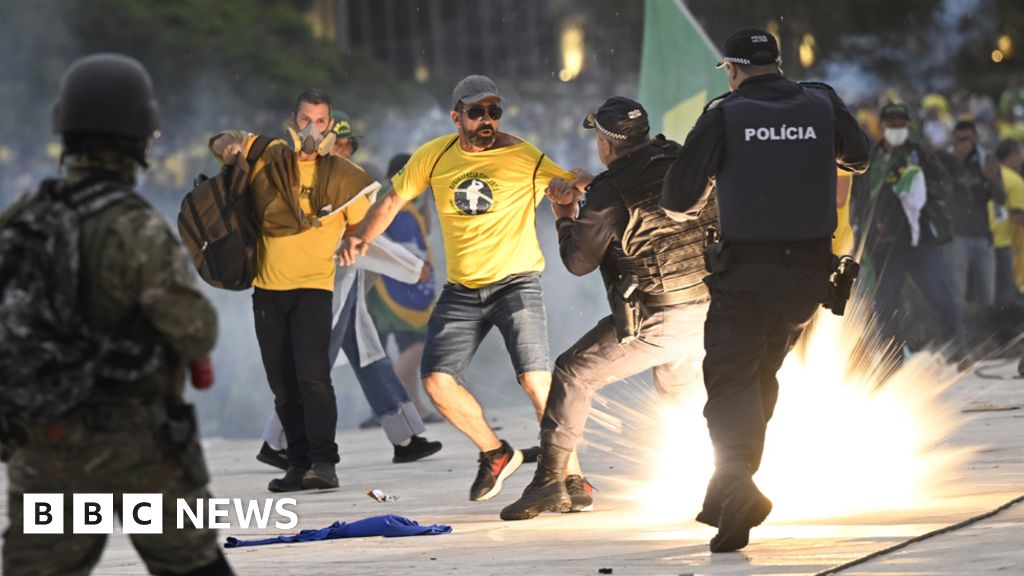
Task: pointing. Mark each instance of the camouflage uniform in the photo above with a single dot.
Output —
(132, 267)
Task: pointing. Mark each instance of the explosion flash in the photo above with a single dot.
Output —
(848, 436)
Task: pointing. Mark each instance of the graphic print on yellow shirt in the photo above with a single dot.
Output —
(305, 260)
(486, 204)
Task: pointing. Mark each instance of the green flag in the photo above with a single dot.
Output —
(677, 72)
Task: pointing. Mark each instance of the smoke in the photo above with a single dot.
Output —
(920, 59)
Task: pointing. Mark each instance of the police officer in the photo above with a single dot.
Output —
(770, 150)
(652, 268)
(133, 433)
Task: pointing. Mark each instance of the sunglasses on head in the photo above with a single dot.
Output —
(477, 112)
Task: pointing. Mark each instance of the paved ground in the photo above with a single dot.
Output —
(615, 536)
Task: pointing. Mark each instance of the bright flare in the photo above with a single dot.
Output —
(838, 445)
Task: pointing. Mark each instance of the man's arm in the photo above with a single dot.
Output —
(995, 180)
(584, 237)
(142, 263)
(377, 220)
(853, 149)
(689, 180)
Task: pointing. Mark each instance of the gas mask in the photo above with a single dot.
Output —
(309, 141)
(896, 136)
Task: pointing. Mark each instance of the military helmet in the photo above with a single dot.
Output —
(106, 94)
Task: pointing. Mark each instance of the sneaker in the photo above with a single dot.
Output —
(320, 476)
(581, 492)
(743, 508)
(290, 482)
(418, 447)
(370, 422)
(495, 467)
(531, 454)
(271, 457)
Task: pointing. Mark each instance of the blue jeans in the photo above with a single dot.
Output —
(924, 265)
(1006, 284)
(381, 386)
(971, 257)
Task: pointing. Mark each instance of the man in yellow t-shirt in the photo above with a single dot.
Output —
(305, 199)
(487, 185)
(1007, 226)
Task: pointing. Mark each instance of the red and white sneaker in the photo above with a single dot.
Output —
(495, 467)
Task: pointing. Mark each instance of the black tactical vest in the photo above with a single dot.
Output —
(777, 181)
(665, 255)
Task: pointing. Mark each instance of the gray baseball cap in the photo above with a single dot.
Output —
(474, 89)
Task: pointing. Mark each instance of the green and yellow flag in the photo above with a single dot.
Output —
(677, 73)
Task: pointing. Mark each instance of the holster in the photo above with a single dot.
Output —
(716, 257)
(840, 285)
(178, 436)
(625, 308)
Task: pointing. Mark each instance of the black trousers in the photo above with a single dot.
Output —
(293, 328)
(747, 335)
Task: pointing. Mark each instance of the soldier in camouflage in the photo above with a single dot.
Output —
(136, 435)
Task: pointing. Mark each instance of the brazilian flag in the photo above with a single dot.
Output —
(677, 73)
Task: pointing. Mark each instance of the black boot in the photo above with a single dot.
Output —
(291, 482)
(547, 490)
(743, 507)
(712, 508)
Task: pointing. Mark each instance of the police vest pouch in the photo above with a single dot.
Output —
(218, 226)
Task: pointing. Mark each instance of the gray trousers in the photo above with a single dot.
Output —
(971, 257)
(598, 359)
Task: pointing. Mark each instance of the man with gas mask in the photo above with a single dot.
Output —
(900, 214)
(305, 199)
(769, 149)
(652, 268)
(122, 339)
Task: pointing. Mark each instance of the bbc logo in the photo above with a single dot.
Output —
(144, 513)
(93, 514)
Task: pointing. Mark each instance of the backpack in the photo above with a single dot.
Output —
(50, 360)
(218, 226)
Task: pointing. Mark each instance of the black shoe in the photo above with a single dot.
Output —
(495, 467)
(271, 457)
(291, 482)
(581, 493)
(531, 454)
(320, 476)
(370, 422)
(419, 447)
(743, 508)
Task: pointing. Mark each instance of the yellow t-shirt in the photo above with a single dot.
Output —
(1002, 232)
(306, 259)
(486, 204)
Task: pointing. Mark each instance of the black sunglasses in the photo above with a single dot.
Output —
(477, 112)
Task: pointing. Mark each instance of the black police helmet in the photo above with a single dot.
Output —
(106, 94)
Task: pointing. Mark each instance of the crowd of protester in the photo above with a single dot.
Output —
(943, 205)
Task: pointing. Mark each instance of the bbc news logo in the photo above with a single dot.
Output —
(144, 513)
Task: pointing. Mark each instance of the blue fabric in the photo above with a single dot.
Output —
(389, 525)
(380, 384)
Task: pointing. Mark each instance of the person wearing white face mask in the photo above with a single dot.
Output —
(901, 218)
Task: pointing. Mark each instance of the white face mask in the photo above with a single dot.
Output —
(896, 136)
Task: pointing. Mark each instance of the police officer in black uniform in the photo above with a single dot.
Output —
(652, 268)
(770, 149)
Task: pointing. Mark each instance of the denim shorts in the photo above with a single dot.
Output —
(463, 317)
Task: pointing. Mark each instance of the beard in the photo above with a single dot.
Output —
(483, 141)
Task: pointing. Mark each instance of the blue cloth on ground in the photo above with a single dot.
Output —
(389, 525)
